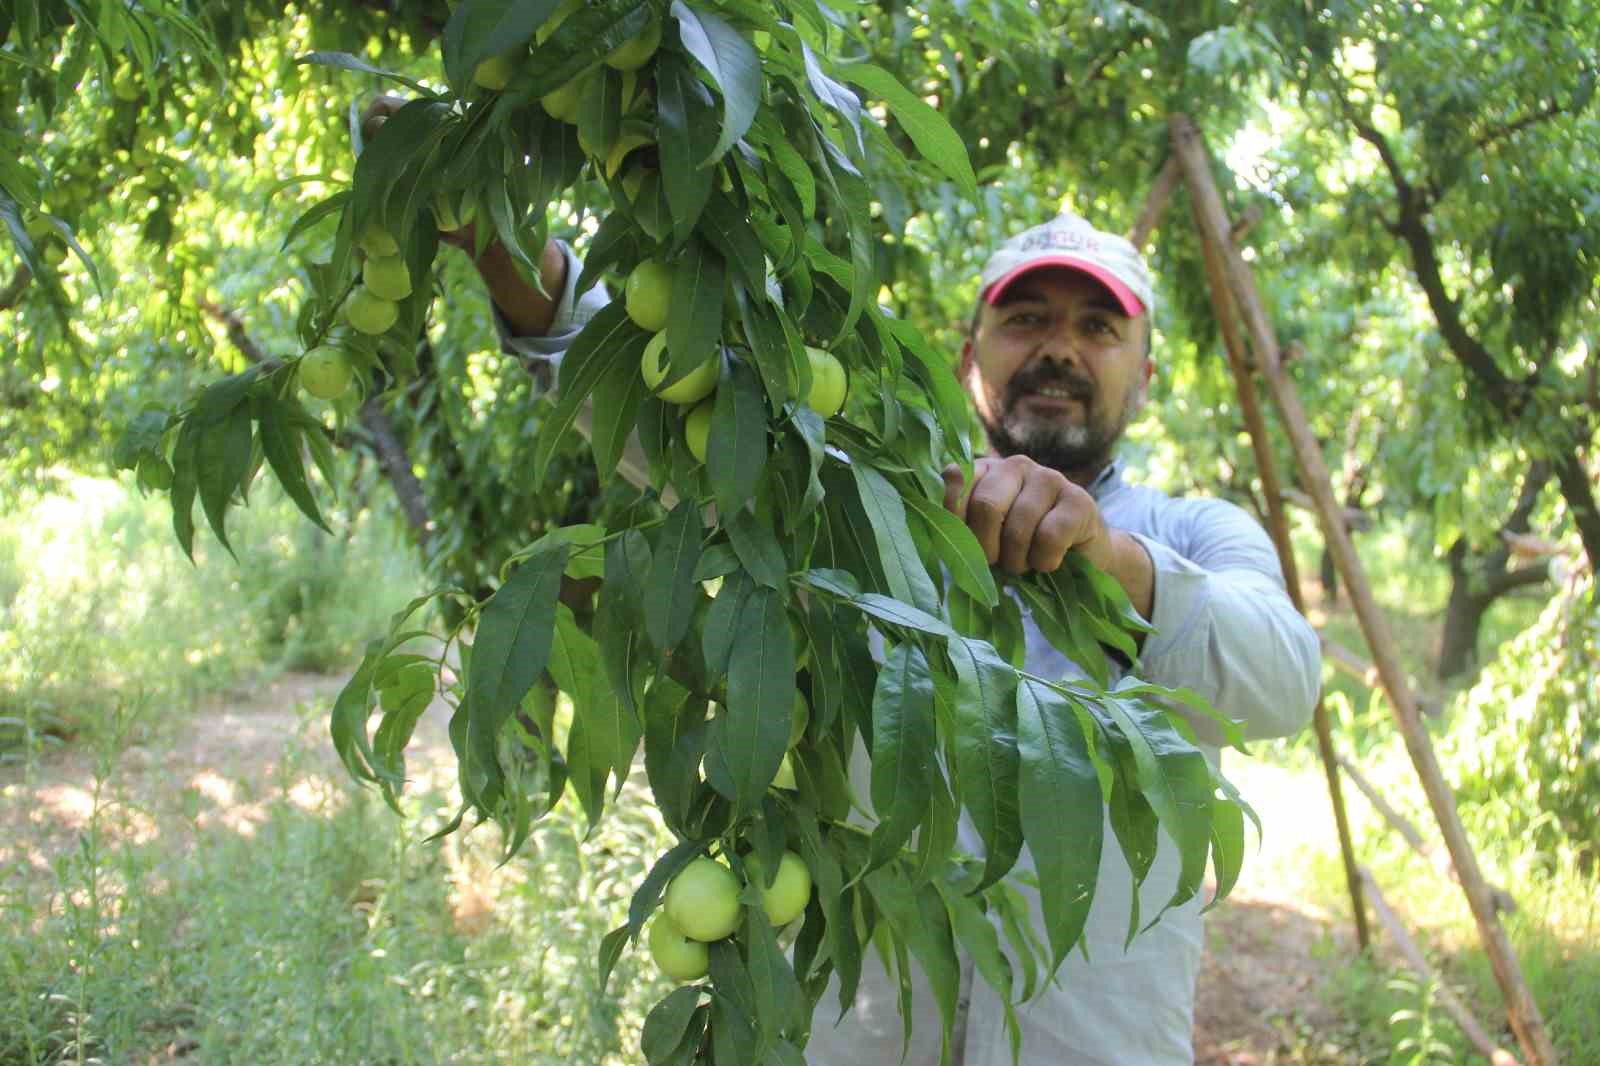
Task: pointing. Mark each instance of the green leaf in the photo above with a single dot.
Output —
(694, 323)
(780, 1008)
(514, 634)
(223, 461)
(776, 350)
(755, 542)
(1137, 830)
(608, 731)
(987, 763)
(480, 29)
(828, 877)
(918, 918)
(903, 743)
(671, 591)
(928, 130)
(736, 455)
(958, 548)
(612, 945)
(674, 744)
(723, 621)
(727, 226)
(980, 939)
(616, 399)
(1174, 776)
(667, 1024)
(834, 96)
(608, 341)
(184, 485)
(1061, 812)
(404, 137)
(348, 723)
(755, 727)
(908, 578)
(346, 61)
(280, 442)
(1227, 846)
(687, 134)
(648, 895)
(733, 64)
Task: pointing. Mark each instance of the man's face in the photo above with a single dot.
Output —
(1057, 370)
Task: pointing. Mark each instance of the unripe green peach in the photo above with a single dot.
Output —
(387, 276)
(494, 73)
(647, 294)
(326, 373)
(370, 313)
(375, 240)
(703, 900)
(691, 388)
(697, 430)
(679, 956)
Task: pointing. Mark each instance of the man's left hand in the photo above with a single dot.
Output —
(1027, 517)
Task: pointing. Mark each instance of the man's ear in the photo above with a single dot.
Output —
(964, 368)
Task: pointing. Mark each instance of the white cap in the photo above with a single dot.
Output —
(1069, 241)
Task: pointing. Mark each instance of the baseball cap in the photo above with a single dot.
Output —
(1070, 241)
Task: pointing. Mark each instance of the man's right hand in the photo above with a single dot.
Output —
(374, 116)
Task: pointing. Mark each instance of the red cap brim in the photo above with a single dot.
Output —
(1132, 306)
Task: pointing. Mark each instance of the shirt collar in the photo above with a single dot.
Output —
(1107, 481)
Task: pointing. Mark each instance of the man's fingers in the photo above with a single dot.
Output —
(994, 488)
(1056, 535)
(954, 486)
(1023, 525)
(376, 112)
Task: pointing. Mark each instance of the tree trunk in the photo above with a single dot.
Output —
(1477, 580)
(1463, 614)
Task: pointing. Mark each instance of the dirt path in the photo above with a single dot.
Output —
(1260, 992)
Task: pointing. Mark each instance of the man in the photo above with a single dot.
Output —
(1057, 363)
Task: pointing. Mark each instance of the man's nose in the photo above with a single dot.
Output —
(1058, 345)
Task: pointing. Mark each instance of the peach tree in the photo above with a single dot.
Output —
(783, 589)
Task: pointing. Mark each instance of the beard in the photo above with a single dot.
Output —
(1072, 447)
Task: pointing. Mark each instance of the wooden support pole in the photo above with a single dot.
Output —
(1523, 1012)
(1504, 902)
(1470, 1027)
(1155, 204)
(1278, 527)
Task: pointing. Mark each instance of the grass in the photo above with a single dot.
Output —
(327, 931)
(102, 618)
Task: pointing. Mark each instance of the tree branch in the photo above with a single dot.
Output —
(15, 287)
(1497, 585)
(1511, 129)
(237, 333)
(1410, 226)
(380, 432)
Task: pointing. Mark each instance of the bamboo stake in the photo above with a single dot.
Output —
(1504, 902)
(1155, 204)
(1497, 1056)
(1278, 527)
(1523, 1012)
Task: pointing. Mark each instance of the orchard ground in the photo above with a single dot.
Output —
(1276, 975)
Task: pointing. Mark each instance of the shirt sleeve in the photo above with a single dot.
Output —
(542, 355)
(1225, 625)
(573, 312)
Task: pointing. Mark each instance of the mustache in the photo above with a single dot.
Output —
(1078, 386)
